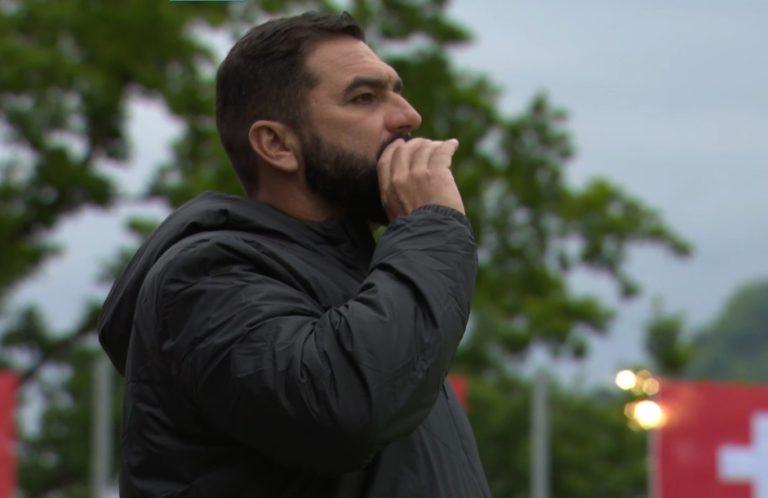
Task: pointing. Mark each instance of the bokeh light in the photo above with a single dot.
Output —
(626, 380)
(648, 414)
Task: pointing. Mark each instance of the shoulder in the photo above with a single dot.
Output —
(224, 256)
(208, 254)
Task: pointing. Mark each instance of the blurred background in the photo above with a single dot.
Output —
(612, 160)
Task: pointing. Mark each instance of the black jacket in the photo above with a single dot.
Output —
(268, 357)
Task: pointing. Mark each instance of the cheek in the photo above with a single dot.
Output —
(364, 141)
(363, 135)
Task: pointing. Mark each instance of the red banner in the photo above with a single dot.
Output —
(459, 383)
(713, 443)
(8, 383)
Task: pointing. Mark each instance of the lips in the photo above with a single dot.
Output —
(404, 136)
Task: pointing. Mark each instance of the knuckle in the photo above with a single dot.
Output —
(421, 174)
(399, 181)
(417, 143)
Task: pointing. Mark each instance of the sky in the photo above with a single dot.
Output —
(669, 100)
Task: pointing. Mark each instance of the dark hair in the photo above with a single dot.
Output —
(263, 77)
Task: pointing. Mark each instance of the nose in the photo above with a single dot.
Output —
(402, 118)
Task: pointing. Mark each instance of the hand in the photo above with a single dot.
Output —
(416, 173)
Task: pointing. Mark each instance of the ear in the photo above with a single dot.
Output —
(276, 144)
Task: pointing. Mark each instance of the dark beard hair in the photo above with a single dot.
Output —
(345, 178)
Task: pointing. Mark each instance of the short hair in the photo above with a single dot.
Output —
(264, 77)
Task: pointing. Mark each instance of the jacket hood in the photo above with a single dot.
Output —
(210, 212)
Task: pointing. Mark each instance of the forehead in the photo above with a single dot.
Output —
(337, 61)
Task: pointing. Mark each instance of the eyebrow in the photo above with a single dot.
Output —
(377, 83)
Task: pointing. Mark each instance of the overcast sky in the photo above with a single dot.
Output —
(668, 99)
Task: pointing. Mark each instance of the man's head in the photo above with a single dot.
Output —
(307, 97)
(264, 78)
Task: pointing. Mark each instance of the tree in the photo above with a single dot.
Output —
(533, 229)
(593, 452)
(667, 342)
(69, 71)
(733, 346)
(63, 94)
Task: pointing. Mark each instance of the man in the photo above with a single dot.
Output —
(270, 347)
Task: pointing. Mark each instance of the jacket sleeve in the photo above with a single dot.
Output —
(325, 389)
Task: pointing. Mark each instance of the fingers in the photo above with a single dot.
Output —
(418, 154)
(442, 156)
(446, 150)
(411, 158)
(415, 173)
(384, 165)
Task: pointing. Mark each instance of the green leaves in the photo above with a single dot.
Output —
(69, 71)
(733, 346)
(665, 342)
(534, 229)
(593, 453)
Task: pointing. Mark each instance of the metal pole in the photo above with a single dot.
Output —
(540, 485)
(101, 429)
(650, 463)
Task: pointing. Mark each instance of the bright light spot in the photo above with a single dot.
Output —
(648, 414)
(644, 374)
(626, 380)
(651, 387)
(629, 410)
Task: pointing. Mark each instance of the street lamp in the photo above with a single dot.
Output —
(643, 413)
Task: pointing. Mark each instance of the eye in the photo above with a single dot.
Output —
(364, 98)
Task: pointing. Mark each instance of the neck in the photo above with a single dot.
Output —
(297, 202)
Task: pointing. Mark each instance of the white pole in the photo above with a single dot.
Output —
(101, 428)
(651, 436)
(540, 485)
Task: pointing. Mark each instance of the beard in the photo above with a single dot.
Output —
(345, 178)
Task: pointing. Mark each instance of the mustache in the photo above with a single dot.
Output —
(387, 142)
